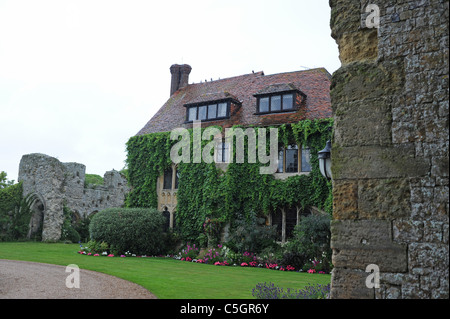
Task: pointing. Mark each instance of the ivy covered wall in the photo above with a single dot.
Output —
(206, 191)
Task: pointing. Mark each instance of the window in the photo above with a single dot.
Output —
(290, 159)
(202, 112)
(192, 113)
(264, 104)
(276, 103)
(167, 179)
(306, 164)
(223, 153)
(212, 111)
(171, 176)
(222, 110)
(177, 177)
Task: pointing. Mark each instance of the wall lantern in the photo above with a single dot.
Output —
(325, 160)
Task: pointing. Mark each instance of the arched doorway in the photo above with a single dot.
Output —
(37, 207)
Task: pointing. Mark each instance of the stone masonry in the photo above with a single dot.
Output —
(53, 185)
(390, 149)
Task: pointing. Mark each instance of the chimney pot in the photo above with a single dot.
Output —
(180, 77)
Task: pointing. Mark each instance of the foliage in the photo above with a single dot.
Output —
(97, 247)
(250, 235)
(68, 231)
(93, 179)
(311, 240)
(207, 192)
(189, 251)
(270, 291)
(4, 181)
(82, 227)
(15, 212)
(138, 230)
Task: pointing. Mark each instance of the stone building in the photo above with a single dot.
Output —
(253, 99)
(390, 149)
(53, 185)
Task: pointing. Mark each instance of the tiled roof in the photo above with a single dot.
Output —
(314, 83)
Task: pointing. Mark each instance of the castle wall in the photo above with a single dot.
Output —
(59, 184)
(390, 150)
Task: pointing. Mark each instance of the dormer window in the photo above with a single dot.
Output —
(210, 107)
(276, 103)
(278, 98)
(206, 112)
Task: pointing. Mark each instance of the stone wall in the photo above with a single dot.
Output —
(53, 185)
(390, 149)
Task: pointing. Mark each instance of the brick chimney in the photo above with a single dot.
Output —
(180, 77)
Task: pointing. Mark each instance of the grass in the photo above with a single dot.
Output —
(165, 277)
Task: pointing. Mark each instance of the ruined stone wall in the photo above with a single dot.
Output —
(390, 149)
(54, 185)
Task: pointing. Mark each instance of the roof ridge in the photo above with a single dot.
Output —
(301, 71)
(231, 77)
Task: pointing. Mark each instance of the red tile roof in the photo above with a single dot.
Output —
(315, 83)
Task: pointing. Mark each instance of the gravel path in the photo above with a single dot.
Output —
(30, 280)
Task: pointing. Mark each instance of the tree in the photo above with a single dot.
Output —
(4, 181)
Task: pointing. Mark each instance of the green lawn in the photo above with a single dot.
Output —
(165, 277)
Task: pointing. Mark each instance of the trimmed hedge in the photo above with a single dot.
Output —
(137, 230)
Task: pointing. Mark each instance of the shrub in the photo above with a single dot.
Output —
(138, 230)
(15, 212)
(251, 235)
(311, 241)
(270, 291)
(189, 251)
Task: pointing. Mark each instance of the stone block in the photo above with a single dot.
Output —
(383, 198)
(358, 243)
(362, 162)
(350, 284)
(345, 199)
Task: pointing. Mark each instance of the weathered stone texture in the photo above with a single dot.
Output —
(54, 185)
(391, 149)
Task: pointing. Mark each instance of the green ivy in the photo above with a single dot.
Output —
(15, 213)
(205, 191)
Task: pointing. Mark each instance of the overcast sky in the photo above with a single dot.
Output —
(79, 78)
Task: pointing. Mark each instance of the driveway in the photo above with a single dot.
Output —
(30, 280)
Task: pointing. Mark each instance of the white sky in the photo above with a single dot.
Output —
(79, 78)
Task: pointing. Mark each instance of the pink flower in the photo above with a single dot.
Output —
(244, 264)
(311, 271)
(122, 255)
(96, 255)
(110, 255)
(290, 268)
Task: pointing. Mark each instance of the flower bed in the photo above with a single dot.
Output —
(222, 256)
(218, 256)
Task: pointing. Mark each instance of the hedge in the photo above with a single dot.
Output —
(136, 230)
